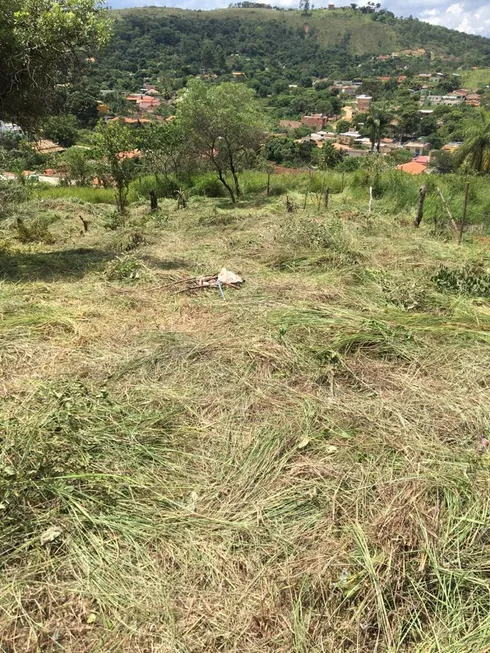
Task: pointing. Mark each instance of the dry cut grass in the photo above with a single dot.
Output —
(296, 468)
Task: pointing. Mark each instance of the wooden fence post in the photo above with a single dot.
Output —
(465, 212)
(326, 197)
(153, 201)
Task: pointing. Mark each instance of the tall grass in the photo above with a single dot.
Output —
(84, 193)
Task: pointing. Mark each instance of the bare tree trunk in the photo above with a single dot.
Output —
(420, 210)
(227, 186)
(235, 175)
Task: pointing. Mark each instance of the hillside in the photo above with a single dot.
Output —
(297, 468)
(175, 43)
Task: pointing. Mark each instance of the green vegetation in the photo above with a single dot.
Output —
(302, 466)
(40, 45)
(297, 463)
(478, 78)
(274, 46)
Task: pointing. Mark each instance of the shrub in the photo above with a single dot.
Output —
(141, 187)
(472, 279)
(208, 186)
(126, 268)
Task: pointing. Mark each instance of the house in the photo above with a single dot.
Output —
(437, 77)
(317, 121)
(148, 103)
(45, 146)
(434, 99)
(137, 122)
(350, 151)
(384, 57)
(363, 103)
(388, 145)
(451, 147)
(412, 168)
(450, 100)
(453, 99)
(290, 124)
(422, 158)
(401, 79)
(348, 138)
(331, 6)
(473, 100)
(417, 147)
(238, 75)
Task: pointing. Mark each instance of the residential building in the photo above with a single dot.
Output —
(317, 121)
(417, 147)
(450, 100)
(363, 103)
(412, 168)
(348, 138)
(451, 147)
(473, 100)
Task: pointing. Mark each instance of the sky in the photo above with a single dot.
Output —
(472, 16)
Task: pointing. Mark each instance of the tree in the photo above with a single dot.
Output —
(115, 147)
(377, 120)
(304, 6)
(41, 43)
(62, 129)
(409, 119)
(208, 55)
(165, 148)
(329, 156)
(83, 105)
(476, 146)
(223, 123)
(342, 126)
(79, 164)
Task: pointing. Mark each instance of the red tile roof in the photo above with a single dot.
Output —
(413, 168)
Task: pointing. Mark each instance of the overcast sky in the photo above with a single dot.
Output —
(472, 16)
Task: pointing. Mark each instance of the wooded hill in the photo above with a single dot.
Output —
(273, 44)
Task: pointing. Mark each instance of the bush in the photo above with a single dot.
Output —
(141, 187)
(12, 194)
(36, 231)
(208, 186)
(124, 268)
(472, 279)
